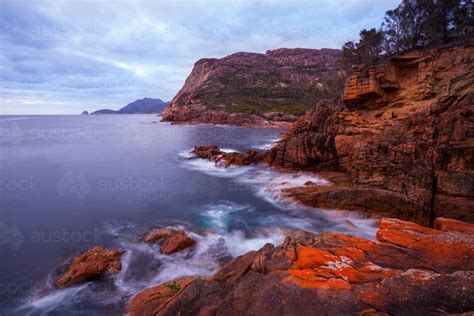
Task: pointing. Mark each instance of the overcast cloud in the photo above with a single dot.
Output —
(63, 57)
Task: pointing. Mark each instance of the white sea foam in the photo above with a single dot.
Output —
(210, 167)
(267, 144)
(229, 150)
(43, 305)
(267, 183)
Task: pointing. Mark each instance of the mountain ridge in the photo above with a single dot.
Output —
(140, 106)
(253, 88)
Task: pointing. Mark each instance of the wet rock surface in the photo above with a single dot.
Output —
(214, 153)
(93, 264)
(409, 269)
(171, 240)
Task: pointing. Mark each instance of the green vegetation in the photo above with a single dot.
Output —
(413, 24)
(286, 107)
(258, 100)
(332, 86)
(174, 287)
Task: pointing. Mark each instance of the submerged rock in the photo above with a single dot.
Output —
(91, 265)
(173, 240)
(409, 270)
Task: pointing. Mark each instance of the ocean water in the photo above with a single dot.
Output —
(68, 183)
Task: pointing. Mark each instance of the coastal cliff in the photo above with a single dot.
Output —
(253, 88)
(399, 144)
(402, 139)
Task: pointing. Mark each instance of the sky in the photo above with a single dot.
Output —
(67, 56)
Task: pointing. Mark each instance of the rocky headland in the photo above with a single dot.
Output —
(253, 89)
(402, 139)
(399, 146)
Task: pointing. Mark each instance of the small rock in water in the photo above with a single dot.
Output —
(91, 265)
(174, 240)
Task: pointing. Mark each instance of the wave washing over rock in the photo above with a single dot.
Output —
(374, 153)
(226, 230)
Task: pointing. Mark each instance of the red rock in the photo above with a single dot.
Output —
(91, 265)
(242, 88)
(335, 274)
(403, 137)
(176, 243)
(452, 225)
(173, 240)
(213, 153)
(156, 235)
(152, 300)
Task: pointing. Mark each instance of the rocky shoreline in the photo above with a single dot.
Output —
(400, 147)
(410, 269)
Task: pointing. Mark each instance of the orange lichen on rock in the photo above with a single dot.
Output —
(409, 270)
(453, 225)
(309, 257)
(438, 249)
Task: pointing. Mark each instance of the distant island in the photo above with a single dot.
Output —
(141, 106)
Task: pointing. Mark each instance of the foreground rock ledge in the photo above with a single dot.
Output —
(91, 265)
(409, 270)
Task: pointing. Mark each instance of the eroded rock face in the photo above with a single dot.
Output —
(91, 265)
(410, 269)
(405, 129)
(241, 89)
(172, 240)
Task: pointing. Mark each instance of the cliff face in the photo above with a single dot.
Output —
(249, 88)
(404, 138)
